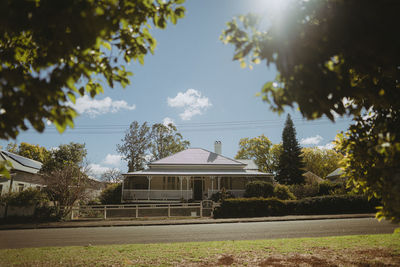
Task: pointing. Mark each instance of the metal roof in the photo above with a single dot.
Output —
(196, 156)
(229, 173)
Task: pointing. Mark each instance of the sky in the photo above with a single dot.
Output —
(192, 81)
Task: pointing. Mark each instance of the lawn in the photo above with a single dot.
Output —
(365, 250)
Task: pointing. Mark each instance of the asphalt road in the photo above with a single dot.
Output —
(186, 233)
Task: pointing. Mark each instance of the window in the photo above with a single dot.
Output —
(1, 189)
(20, 187)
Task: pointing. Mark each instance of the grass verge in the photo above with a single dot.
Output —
(368, 250)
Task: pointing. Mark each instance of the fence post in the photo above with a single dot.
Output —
(105, 212)
(169, 211)
(201, 209)
(72, 213)
(137, 211)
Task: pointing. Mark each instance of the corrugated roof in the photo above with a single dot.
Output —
(196, 156)
(239, 173)
(337, 172)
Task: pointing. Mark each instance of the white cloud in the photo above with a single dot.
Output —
(191, 101)
(94, 107)
(97, 170)
(167, 121)
(327, 146)
(113, 160)
(313, 140)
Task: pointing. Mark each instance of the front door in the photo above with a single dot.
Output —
(198, 189)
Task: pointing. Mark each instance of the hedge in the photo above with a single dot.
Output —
(264, 207)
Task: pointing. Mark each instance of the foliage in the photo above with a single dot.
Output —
(48, 62)
(283, 192)
(372, 156)
(221, 195)
(135, 144)
(29, 151)
(305, 190)
(64, 155)
(329, 188)
(259, 189)
(143, 143)
(27, 197)
(262, 207)
(65, 186)
(337, 57)
(250, 207)
(257, 149)
(112, 176)
(291, 167)
(111, 195)
(275, 154)
(320, 161)
(166, 141)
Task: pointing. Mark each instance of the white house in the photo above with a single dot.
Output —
(194, 173)
(23, 173)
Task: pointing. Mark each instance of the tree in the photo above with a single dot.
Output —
(29, 151)
(166, 141)
(291, 167)
(67, 154)
(337, 57)
(112, 176)
(65, 186)
(47, 62)
(257, 149)
(136, 143)
(275, 154)
(321, 161)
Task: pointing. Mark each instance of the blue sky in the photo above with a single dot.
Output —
(192, 80)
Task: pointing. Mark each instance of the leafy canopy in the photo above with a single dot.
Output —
(166, 141)
(257, 149)
(29, 151)
(321, 161)
(53, 51)
(337, 57)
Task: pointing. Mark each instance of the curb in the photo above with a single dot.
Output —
(115, 223)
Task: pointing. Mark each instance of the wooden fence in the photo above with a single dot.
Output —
(202, 209)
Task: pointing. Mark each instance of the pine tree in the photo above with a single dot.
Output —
(291, 166)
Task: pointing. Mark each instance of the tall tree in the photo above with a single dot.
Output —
(166, 141)
(135, 145)
(257, 149)
(291, 166)
(29, 151)
(337, 57)
(275, 154)
(51, 52)
(68, 154)
(321, 161)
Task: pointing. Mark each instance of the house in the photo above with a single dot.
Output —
(336, 175)
(312, 178)
(194, 173)
(24, 173)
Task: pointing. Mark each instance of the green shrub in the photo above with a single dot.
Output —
(250, 207)
(282, 192)
(27, 197)
(259, 189)
(261, 207)
(221, 195)
(304, 190)
(111, 195)
(329, 188)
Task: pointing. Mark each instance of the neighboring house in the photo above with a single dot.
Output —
(24, 173)
(312, 178)
(194, 173)
(336, 175)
